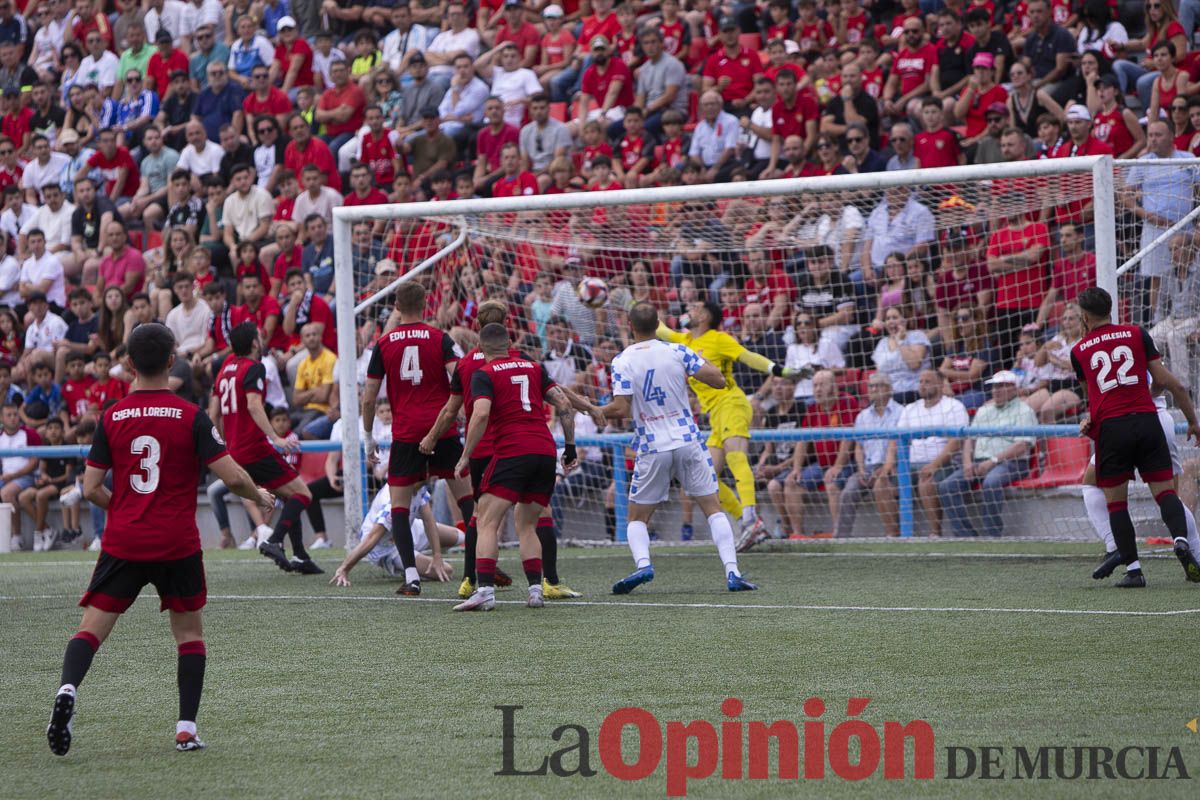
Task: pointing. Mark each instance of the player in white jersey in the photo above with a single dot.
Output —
(649, 380)
(377, 547)
(1097, 507)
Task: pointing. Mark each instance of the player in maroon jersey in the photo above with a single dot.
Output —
(1112, 362)
(154, 443)
(238, 395)
(417, 360)
(496, 311)
(509, 392)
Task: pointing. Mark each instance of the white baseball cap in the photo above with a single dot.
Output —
(552, 10)
(1003, 376)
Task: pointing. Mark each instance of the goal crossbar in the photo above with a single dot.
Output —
(1100, 168)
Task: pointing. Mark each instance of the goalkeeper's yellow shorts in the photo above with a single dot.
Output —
(730, 417)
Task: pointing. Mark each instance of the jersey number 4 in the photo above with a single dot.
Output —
(1121, 356)
(410, 365)
(652, 393)
(150, 451)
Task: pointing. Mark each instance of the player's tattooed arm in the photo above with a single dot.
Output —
(566, 418)
(580, 403)
(446, 418)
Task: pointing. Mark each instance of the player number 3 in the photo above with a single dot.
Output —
(149, 449)
(1123, 357)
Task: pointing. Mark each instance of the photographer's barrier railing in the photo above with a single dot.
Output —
(618, 442)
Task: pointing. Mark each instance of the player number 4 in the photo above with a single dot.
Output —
(149, 449)
(652, 393)
(410, 365)
(1121, 356)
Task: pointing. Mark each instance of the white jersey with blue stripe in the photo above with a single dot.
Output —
(653, 374)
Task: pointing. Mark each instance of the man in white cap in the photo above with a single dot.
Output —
(992, 462)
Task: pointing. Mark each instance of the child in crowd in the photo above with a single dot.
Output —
(45, 400)
(53, 476)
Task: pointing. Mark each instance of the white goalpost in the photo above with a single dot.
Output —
(1088, 179)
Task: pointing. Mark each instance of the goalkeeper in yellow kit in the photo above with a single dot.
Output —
(728, 410)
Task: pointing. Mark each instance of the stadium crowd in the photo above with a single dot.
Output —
(180, 161)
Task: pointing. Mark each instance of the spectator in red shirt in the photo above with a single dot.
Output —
(811, 461)
(1016, 259)
(980, 94)
(911, 71)
(490, 142)
(731, 70)
(304, 148)
(362, 190)
(88, 18)
(513, 182)
(606, 89)
(341, 107)
(293, 65)
(121, 176)
(769, 287)
(164, 61)
(1074, 270)
(794, 113)
(263, 310)
(513, 27)
(262, 99)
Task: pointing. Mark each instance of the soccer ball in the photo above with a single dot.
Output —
(593, 292)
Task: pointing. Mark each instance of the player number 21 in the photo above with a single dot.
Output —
(228, 396)
(1123, 357)
(149, 449)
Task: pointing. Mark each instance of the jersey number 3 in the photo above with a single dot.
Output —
(149, 449)
(1121, 356)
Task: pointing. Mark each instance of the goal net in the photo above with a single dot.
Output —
(847, 279)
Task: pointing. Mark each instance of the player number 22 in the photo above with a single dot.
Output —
(149, 449)
(1123, 357)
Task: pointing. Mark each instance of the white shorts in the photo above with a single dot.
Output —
(1156, 263)
(691, 465)
(386, 549)
(1168, 425)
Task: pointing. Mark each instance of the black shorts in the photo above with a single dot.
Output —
(478, 466)
(408, 465)
(271, 472)
(116, 583)
(1132, 442)
(1059, 384)
(521, 479)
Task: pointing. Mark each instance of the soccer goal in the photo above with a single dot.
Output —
(858, 273)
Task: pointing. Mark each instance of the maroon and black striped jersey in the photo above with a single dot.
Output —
(154, 442)
(413, 358)
(517, 388)
(1111, 361)
(239, 377)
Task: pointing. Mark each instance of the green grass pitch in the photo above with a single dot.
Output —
(314, 691)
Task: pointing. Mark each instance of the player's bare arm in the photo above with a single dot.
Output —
(369, 397)
(566, 418)
(618, 408)
(440, 569)
(254, 405)
(580, 403)
(1164, 378)
(366, 545)
(480, 414)
(446, 418)
(709, 375)
(238, 481)
(94, 490)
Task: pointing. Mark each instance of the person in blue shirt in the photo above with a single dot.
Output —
(317, 257)
(221, 102)
(44, 400)
(136, 109)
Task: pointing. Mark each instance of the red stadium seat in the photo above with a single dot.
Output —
(153, 239)
(1066, 459)
(135, 241)
(558, 111)
(750, 41)
(848, 384)
(863, 377)
(312, 466)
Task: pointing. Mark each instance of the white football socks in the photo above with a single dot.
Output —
(639, 543)
(411, 575)
(1193, 538)
(749, 515)
(722, 536)
(185, 726)
(1097, 511)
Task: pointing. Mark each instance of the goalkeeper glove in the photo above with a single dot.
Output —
(569, 454)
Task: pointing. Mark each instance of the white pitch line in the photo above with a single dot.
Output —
(663, 554)
(645, 604)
